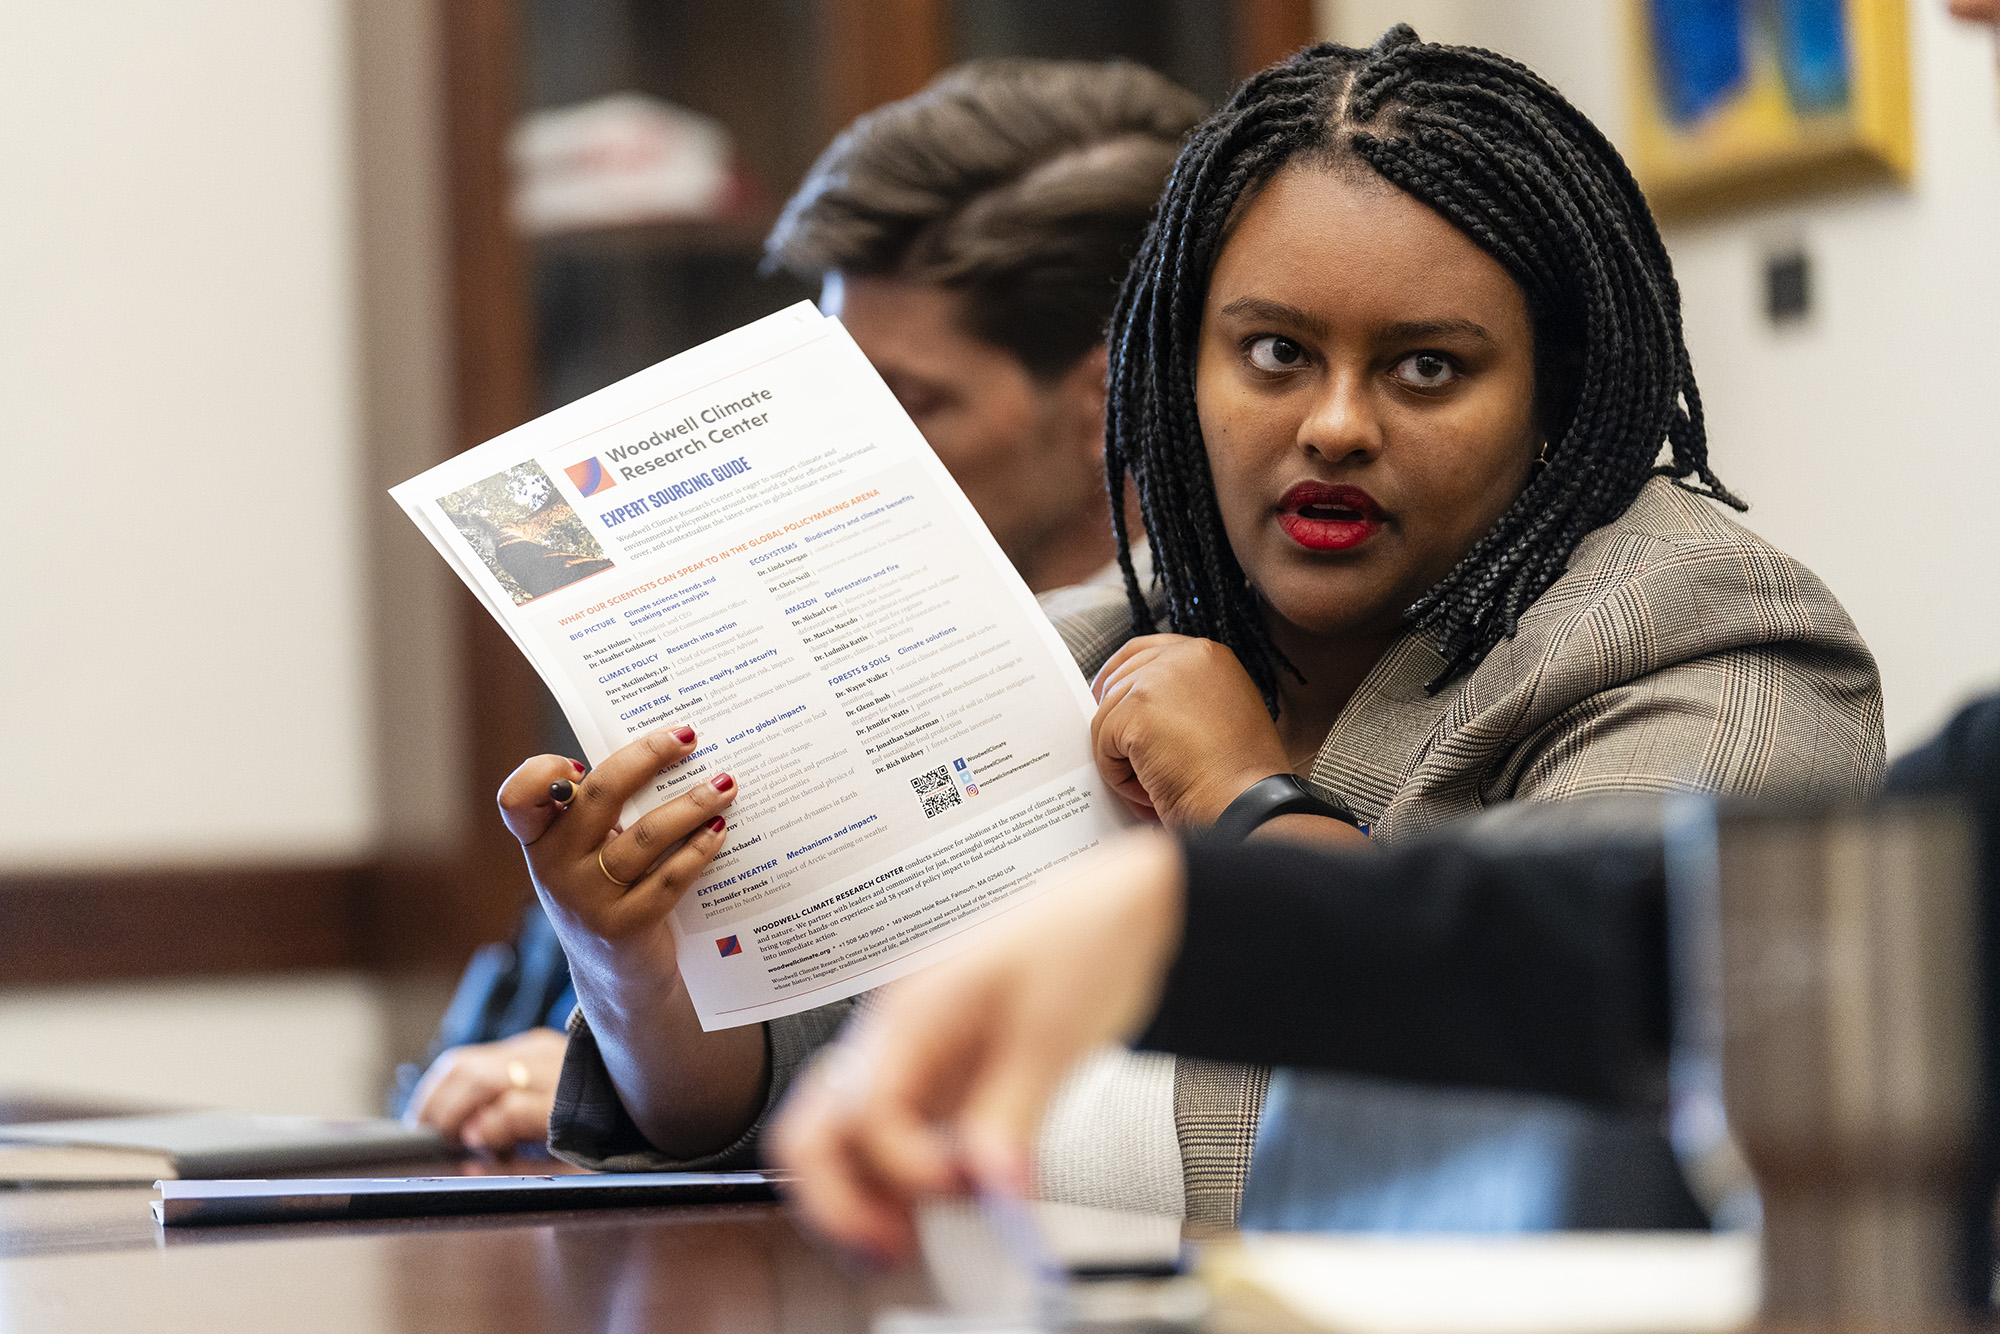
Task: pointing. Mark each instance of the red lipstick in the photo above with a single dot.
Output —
(1320, 517)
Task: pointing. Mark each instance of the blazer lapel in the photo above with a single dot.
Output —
(1375, 743)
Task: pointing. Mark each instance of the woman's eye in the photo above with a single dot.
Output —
(1426, 370)
(1276, 354)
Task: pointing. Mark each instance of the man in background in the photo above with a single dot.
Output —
(972, 238)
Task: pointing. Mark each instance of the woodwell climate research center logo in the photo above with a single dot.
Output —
(590, 476)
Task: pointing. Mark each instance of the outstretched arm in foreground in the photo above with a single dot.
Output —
(940, 1086)
(1535, 969)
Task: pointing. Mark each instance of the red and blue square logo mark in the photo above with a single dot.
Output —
(729, 945)
(590, 477)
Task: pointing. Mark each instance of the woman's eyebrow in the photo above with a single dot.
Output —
(1418, 330)
(1277, 312)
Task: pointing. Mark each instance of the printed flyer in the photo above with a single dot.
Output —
(752, 539)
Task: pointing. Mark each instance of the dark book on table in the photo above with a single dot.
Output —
(202, 1145)
(194, 1203)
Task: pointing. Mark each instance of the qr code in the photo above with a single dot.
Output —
(939, 793)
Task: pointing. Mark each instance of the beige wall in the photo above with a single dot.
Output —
(222, 336)
(1867, 439)
(309, 1043)
(178, 400)
(402, 233)
(185, 393)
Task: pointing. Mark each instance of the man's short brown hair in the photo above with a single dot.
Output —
(1024, 184)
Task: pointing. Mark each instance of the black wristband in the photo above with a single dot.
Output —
(1268, 798)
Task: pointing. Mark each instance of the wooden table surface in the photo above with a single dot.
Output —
(89, 1259)
(85, 1259)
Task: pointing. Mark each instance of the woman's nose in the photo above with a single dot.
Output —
(1341, 423)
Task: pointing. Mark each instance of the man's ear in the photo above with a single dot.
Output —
(1082, 390)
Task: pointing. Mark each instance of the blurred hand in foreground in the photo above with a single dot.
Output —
(940, 1087)
(491, 1096)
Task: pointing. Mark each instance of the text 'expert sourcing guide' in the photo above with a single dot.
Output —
(752, 539)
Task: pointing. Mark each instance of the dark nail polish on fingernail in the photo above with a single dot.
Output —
(722, 782)
(717, 825)
(579, 767)
(685, 735)
(562, 790)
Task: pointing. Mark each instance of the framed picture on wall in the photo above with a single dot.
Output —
(1740, 102)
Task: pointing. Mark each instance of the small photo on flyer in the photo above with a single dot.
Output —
(524, 530)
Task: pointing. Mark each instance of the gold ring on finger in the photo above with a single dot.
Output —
(517, 1074)
(622, 884)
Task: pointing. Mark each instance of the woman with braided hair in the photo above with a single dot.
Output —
(1400, 378)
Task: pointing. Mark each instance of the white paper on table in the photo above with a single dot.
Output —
(771, 554)
(1548, 1283)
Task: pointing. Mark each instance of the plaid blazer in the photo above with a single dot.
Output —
(1678, 652)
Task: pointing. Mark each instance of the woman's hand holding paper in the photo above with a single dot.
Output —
(617, 884)
(1181, 729)
(609, 890)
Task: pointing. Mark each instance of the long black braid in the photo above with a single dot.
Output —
(1501, 155)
